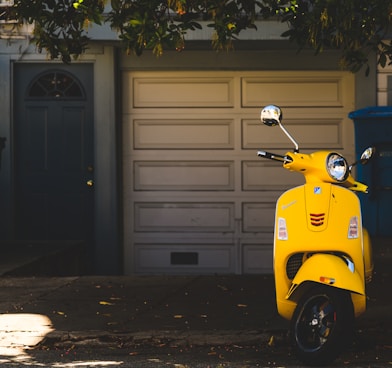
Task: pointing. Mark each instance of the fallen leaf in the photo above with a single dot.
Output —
(241, 305)
(105, 303)
(271, 341)
(178, 316)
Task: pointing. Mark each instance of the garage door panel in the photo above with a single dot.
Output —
(258, 217)
(184, 217)
(313, 133)
(293, 91)
(183, 134)
(184, 175)
(183, 92)
(196, 258)
(257, 258)
(268, 175)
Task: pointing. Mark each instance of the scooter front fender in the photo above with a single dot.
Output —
(328, 269)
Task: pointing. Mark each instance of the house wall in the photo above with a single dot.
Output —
(5, 123)
(384, 86)
(108, 63)
(252, 55)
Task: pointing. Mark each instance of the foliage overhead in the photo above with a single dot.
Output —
(358, 28)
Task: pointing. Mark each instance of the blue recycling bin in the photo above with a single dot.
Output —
(373, 127)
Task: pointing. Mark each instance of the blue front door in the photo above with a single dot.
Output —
(54, 167)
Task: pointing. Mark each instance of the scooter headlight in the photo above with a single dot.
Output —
(337, 167)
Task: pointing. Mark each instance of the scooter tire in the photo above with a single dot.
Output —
(322, 325)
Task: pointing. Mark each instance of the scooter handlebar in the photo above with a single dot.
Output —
(311, 166)
(274, 156)
(356, 186)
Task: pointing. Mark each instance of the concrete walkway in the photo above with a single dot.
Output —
(214, 309)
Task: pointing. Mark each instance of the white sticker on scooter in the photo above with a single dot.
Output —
(353, 228)
(282, 229)
(317, 190)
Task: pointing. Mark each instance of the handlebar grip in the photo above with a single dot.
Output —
(274, 156)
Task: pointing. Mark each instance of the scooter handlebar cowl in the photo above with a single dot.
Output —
(313, 167)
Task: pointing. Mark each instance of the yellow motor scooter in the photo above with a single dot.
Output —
(322, 254)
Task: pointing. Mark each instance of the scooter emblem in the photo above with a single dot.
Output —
(317, 190)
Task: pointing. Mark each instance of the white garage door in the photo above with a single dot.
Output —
(197, 199)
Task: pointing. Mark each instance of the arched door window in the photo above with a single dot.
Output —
(56, 85)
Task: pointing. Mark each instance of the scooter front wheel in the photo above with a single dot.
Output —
(322, 325)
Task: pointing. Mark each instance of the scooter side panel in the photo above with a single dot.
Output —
(368, 256)
(290, 205)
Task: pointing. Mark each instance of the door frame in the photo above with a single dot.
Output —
(107, 253)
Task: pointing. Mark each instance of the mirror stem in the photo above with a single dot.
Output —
(290, 137)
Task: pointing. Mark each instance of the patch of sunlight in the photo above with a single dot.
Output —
(87, 363)
(21, 331)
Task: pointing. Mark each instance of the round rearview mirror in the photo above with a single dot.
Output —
(367, 154)
(271, 115)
